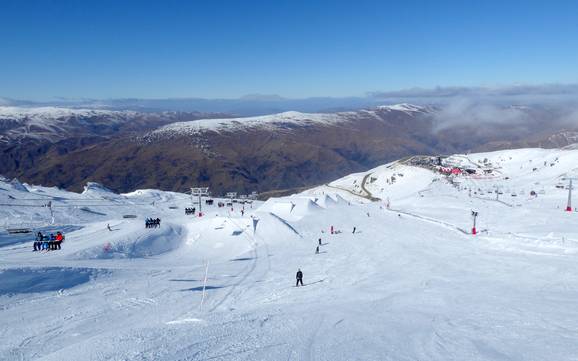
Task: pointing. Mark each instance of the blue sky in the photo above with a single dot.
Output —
(226, 49)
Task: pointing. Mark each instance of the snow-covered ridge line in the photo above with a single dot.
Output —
(21, 113)
(272, 122)
(278, 121)
(407, 108)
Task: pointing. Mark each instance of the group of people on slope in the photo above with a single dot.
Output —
(50, 242)
(189, 211)
(152, 222)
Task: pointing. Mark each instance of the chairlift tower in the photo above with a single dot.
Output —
(231, 195)
(199, 192)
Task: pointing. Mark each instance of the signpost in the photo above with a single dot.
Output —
(205, 284)
(475, 215)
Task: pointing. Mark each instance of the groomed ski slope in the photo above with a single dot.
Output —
(410, 284)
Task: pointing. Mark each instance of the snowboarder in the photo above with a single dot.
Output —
(299, 277)
(354, 228)
(331, 229)
(317, 250)
(320, 241)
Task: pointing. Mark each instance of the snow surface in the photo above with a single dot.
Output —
(410, 284)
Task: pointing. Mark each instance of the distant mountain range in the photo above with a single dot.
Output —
(126, 150)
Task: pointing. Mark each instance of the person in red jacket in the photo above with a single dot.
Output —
(59, 240)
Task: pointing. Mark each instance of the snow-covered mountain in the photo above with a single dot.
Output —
(18, 124)
(52, 123)
(398, 274)
(285, 121)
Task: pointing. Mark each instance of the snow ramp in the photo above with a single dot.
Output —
(292, 208)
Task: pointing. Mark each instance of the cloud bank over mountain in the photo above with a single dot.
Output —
(500, 94)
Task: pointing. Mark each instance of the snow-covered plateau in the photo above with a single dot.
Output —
(411, 283)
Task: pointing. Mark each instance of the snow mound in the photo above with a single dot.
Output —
(148, 243)
(286, 225)
(152, 195)
(326, 201)
(341, 200)
(290, 208)
(219, 238)
(18, 186)
(97, 190)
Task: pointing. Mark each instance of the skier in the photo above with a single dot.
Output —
(331, 229)
(108, 226)
(299, 277)
(354, 228)
(242, 212)
(317, 250)
(320, 241)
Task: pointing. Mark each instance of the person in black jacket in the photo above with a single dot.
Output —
(38, 241)
(299, 278)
